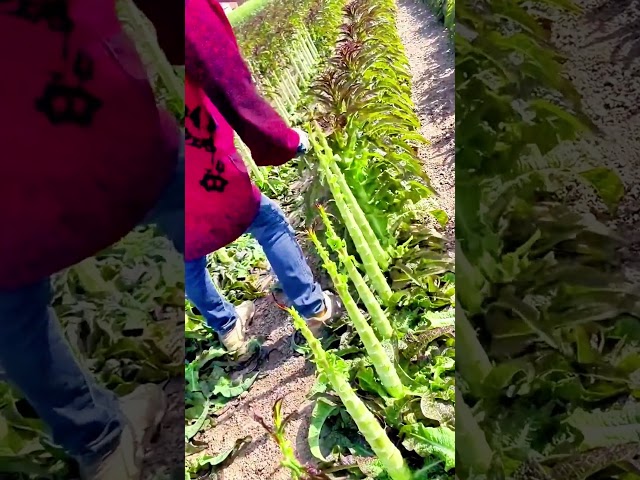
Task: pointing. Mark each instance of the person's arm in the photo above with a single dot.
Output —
(213, 60)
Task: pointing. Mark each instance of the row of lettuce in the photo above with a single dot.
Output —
(373, 221)
(245, 13)
(445, 11)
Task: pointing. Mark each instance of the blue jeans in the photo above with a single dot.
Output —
(276, 237)
(83, 417)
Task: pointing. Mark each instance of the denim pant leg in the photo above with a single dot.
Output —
(200, 289)
(168, 213)
(277, 238)
(83, 418)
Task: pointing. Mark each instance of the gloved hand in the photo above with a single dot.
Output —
(304, 146)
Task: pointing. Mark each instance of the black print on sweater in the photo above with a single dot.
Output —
(62, 102)
(54, 12)
(212, 182)
(203, 142)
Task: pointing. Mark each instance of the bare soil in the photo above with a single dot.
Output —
(284, 374)
(289, 375)
(602, 48)
(431, 57)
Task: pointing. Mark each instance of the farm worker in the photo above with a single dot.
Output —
(221, 202)
(86, 157)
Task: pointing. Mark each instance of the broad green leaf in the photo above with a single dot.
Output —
(603, 428)
(191, 431)
(425, 441)
(322, 410)
(607, 183)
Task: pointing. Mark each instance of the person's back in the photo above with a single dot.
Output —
(85, 151)
(220, 97)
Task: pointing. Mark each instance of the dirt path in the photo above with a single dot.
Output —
(602, 47)
(431, 57)
(285, 374)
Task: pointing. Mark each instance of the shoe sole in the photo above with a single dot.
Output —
(154, 426)
(157, 419)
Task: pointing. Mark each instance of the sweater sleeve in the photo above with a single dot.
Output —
(169, 32)
(213, 61)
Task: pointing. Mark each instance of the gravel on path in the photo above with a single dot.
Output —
(430, 51)
(602, 47)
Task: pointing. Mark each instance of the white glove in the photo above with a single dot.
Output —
(304, 146)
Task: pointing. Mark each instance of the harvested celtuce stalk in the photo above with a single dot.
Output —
(378, 317)
(371, 430)
(475, 453)
(381, 363)
(285, 93)
(245, 153)
(147, 45)
(474, 365)
(380, 255)
(371, 267)
(311, 59)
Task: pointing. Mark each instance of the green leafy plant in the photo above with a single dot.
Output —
(541, 308)
(289, 460)
(388, 454)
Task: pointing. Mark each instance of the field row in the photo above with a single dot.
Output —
(373, 223)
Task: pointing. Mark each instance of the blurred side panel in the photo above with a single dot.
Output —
(91, 266)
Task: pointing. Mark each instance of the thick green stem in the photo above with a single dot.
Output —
(292, 85)
(381, 362)
(301, 78)
(474, 365)
(369, 263)
(378, 317)
(372, 431)
(379, 253)
(150, 50)
(378, 281)
(312, 45)
(471, 444)
(284, 91)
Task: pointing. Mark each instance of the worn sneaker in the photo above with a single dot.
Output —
(235, 341)
(333, 309)
(142, 412)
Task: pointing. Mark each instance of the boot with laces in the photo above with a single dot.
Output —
(235, 341)
(333, 309)
(142, 412)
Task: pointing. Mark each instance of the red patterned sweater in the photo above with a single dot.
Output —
(85, 152)
(221, 201)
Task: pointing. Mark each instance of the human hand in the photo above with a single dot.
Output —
(304, 146)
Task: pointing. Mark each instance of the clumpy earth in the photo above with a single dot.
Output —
(432, 60)
(285, 374)
(602, 47)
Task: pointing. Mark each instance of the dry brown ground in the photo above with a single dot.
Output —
(431, 57)
(602, 47)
